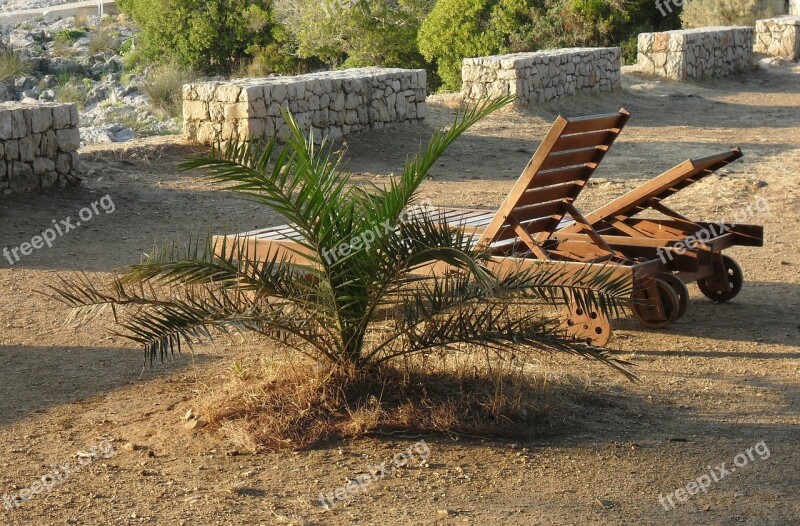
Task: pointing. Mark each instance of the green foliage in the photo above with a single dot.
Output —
(68, 35)
(101, 41)
(457, 29)
(70, 89)
(373, 304)
(68, 69)
(702, 13)
(63, 40)
(209, 36)
(126, 46)
(163, 85)
(13, 64)
(356, 33)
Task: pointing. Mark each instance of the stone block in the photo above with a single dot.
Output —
(21, 178)
(69, 139)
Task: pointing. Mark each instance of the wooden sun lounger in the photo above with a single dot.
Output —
(522, 232)
(691, 250)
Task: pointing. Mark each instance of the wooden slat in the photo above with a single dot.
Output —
(580, 220)
(523, 234)
(259, 249)
(570, 158)
(607, 121)
(584, 140)
(550, 193)
(561, 175)
(546, 209)
(544, 224)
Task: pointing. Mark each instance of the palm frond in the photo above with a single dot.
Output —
(389, 202)
(492, 324)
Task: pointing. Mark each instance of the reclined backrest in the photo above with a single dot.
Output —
(567, 157)
(663, 186)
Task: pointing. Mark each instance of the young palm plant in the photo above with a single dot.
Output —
(362, 307)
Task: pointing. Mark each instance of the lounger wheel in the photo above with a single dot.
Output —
(645, 311)
(680, 289)
(723, 286)
(592, 327)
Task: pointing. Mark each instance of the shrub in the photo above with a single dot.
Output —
(207, 36)
(355, 34)
(68, 35)
(456, 29)
(67, 69)
(13, 64)
(702, 13)
(70, 90)
(63, 40)
(266, 403)
(163, 85)
(101, 41)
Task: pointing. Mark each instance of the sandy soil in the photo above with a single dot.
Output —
(721, 380)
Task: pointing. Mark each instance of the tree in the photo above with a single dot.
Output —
(355, 308)
(457, 29)
(212, 36)
(356, 33)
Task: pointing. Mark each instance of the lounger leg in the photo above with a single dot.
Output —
(592, 326)
(719, 280)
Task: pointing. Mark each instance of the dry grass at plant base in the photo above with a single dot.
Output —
(265, 402)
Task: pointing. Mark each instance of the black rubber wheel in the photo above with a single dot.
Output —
(669, 302)
(733, 273)
(680, 289)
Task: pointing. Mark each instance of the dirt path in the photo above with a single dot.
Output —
(717, 383)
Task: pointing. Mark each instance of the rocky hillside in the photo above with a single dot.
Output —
(92, 63)
(16, 5)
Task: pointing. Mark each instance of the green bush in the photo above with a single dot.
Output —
(13, 64)
(209, 36)
(70, 89)
(101, 41)
(457, 29)
(69, 35)
(355, 34)
(163, 85)
(702, 13)
(62, 42)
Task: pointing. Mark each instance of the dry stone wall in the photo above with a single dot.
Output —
(332, 103)
(696, 53)
(541, 76)
(779, 37)
(38, 144)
